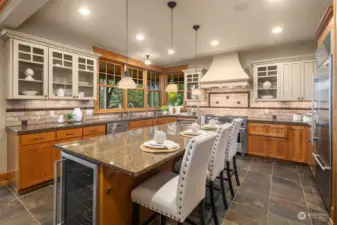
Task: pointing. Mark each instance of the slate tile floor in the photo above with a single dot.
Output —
(271, 193)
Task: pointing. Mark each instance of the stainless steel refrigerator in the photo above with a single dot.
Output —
(322, 107)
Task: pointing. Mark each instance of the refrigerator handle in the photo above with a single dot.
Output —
(316, 156)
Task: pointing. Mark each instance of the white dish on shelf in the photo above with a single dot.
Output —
(267, 97)
(29, 93)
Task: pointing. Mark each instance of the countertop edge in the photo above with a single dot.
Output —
(10, 129)
(131, 173)
(287, 122)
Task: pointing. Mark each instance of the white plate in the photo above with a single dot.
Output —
(153, 144)
(189, 132)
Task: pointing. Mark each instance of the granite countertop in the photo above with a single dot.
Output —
(36, 128)
(121, 151)
(278, 121)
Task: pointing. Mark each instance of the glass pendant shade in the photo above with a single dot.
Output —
(171, 88)
(127, 83)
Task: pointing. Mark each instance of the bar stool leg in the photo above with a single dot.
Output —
(135, 214)
(214, 212)
(162, 220)
(202, 214)
(236, 171)
(222, 189)
(229, 178)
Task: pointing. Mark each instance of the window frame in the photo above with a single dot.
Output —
(145, 89)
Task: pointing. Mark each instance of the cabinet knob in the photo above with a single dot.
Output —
(45, 96)
(298, 98)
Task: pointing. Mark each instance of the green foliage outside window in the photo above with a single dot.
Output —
(110, 98)
(154, 99)
(136, 98)
(175, 99)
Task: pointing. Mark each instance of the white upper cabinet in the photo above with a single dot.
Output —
(191, 81)
(27, 72)
(86, 78)
(37, 68)
(62, 74)
(290, 80)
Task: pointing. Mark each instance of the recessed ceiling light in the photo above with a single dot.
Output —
(140, 37)
(84, 11)
(277, 30)
(214, 43)
(171, 51)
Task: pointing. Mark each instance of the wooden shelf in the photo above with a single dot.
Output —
(60, 83)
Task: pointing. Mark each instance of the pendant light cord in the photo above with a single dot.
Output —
(126, 34)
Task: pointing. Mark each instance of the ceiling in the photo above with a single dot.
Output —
(237, 24)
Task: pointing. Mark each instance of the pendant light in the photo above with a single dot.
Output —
(196, 91)
(126, 82)
(171, 87)
(147, 60)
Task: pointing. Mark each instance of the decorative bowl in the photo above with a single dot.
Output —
(29, 93)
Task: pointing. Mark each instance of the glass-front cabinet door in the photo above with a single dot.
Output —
(62, 72)
(30, 71)
(86, 78)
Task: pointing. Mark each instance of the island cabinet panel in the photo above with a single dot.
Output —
(67, 134)
(257, 128)
(31, 139)
(298, 144)
(139, 124)
(257, 145)
(159, 121)
(171, 120)
(35, 165)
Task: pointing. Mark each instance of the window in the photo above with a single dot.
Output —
(176, 99)
(110, 96)
(153, 87)
(136, 96)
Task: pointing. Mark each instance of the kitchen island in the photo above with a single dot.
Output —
(116, 166)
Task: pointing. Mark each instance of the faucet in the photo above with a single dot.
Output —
(132, 106)
(190, 109)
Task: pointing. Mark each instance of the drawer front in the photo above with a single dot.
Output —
(171, 120)
(140, 123)
(94, 130)
(257, 129)
(277, 130)
(30, 139)
(67, 134)
(159, 121)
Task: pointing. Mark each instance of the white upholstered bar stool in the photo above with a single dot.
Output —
(231, 154)
(175, 196)
(216, 166)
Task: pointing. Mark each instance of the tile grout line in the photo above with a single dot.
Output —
(11, 216)
(305, 199)
(271, 185)
(25, 206)
(237, 189)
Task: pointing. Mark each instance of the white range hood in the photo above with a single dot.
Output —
(225, 72)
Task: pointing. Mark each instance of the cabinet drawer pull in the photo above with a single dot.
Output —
(69, 134)
(93, 130)
(39, 139)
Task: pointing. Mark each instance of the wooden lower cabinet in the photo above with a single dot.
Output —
(298, 144)
(35, 164)
(283, 142)
(277, 148)
(257, 145)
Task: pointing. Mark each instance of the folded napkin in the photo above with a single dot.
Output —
(170, 144)
(167, 144)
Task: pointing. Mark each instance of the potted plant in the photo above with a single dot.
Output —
(69, 117)
(164, 109)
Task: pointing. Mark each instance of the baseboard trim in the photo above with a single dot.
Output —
(4, 178)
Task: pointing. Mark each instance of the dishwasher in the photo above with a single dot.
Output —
(118, 127)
